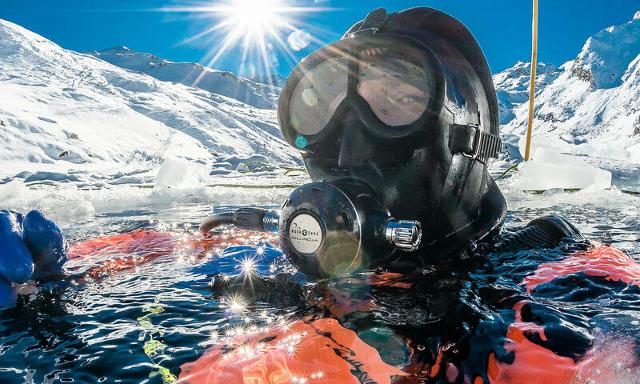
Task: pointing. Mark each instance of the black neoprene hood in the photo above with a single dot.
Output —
(437, 174)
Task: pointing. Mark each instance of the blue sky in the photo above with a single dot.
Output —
(503, 27)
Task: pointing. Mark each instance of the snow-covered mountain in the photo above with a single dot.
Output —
(606, 56)
(257, 94)
(71, 116)
(589, 106)
(512, 86)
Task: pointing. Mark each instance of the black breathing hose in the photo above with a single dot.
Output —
(251, 219)
(215, 221)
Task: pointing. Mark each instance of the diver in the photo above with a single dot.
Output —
(396, 124)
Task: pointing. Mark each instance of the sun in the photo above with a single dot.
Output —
(259, 28)
(255, 17)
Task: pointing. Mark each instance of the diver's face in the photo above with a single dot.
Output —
(399, 103)
(395, 99)
(395, 89)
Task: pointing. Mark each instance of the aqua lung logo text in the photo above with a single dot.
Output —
(305, 234)
(297, 230)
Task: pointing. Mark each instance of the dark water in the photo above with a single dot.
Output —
(88, 331)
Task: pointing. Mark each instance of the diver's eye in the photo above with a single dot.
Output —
(409, 99)
(403, 99)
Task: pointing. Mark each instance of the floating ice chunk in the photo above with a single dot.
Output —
(635, 152)
(180, 174)
(11, 190)
(180, 180)
(65, 206)
(551, 170)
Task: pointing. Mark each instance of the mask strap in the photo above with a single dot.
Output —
(373, 23)
(472, 142)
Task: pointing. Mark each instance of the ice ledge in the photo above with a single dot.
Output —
(552, 170)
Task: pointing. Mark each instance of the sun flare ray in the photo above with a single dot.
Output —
(255, 31)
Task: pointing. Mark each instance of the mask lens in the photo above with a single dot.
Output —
(318, 95)
(396, 89)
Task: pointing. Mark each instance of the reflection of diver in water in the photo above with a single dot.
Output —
(503, 315)
(396, 123)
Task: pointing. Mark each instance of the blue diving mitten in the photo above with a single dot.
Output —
(47, 245)
(16, 264)
(31, 247)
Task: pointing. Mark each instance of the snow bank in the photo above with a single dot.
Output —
(71, 206)
(12, 190)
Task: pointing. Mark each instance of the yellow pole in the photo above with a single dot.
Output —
(532, 86)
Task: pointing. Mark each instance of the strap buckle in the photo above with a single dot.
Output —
(488, 146)
(471, 142)
(475, 146)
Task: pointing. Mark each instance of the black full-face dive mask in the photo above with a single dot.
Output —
(395, 123)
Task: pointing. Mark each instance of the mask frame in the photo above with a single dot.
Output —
(349, 48)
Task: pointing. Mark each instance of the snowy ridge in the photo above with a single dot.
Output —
(257, 94)
(67, 116)
(605, 57)
(512, 86)
(273, 79)
(589, 107)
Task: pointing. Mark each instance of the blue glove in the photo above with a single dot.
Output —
(47, 245)
(31, 247)
(16, 264)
